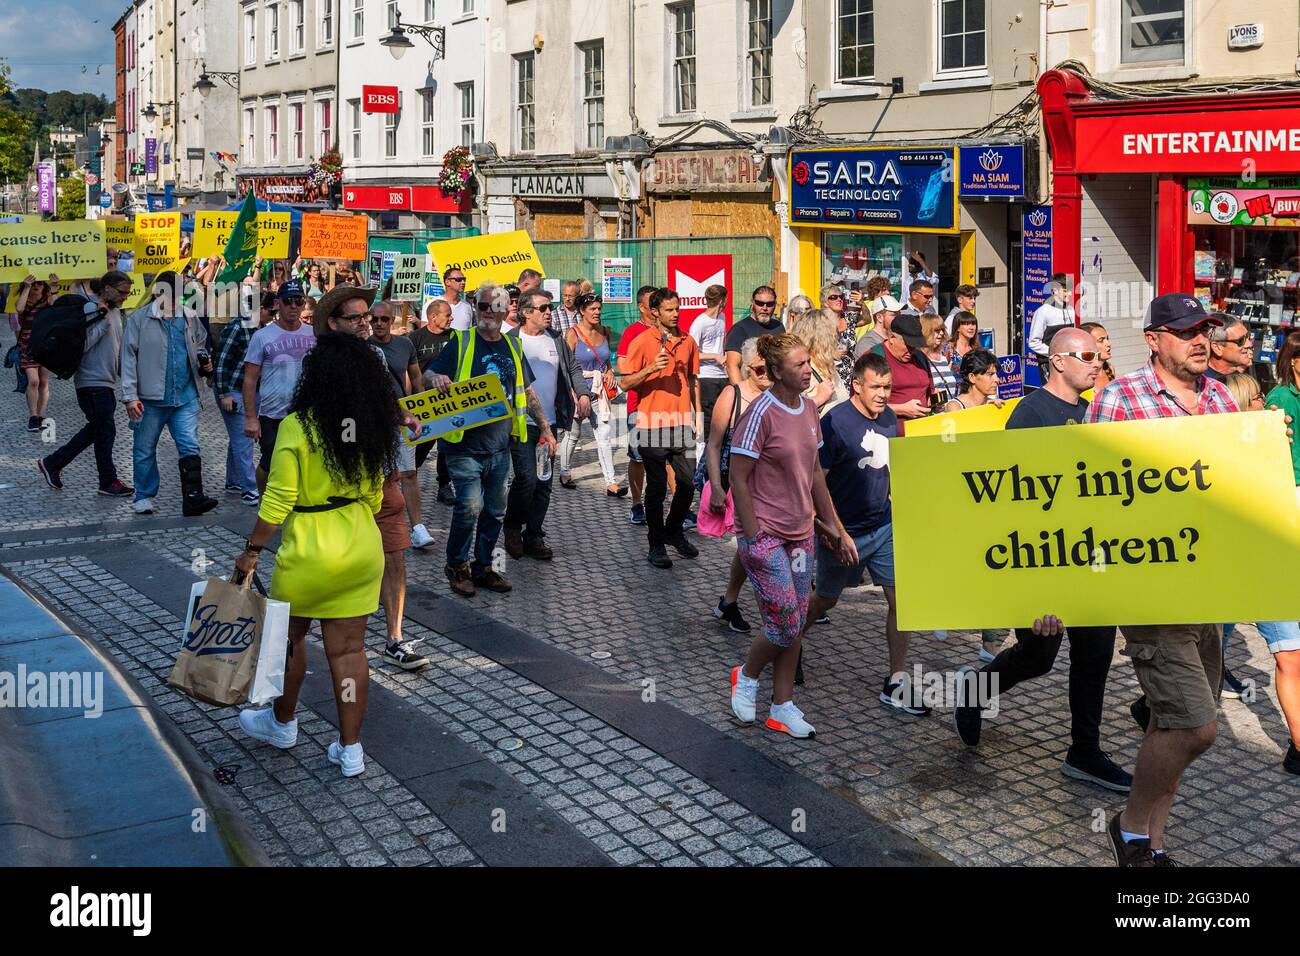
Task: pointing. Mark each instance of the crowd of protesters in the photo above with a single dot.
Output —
(781, 422)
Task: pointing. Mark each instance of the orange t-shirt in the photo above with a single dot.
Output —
(665, 399)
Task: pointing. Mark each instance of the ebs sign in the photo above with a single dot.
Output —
(874, 188)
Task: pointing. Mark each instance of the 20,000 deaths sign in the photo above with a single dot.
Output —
(1142, 522)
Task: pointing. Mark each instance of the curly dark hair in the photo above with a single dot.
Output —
(348, 407)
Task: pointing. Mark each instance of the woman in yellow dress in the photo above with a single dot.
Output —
(325, 487)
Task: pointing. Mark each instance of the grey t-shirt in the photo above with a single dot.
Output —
(399, 355)
(101, 360)
(280, 355)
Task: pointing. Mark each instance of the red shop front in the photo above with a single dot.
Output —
(419, 206)
(1223, 198)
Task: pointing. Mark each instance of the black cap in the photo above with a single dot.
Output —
(1178, 312)
(908, 325)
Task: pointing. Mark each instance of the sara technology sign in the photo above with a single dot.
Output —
(876, 188)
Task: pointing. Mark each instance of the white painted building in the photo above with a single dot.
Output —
(392, 160)
(207, 123)
(131, 116)
(146, 92)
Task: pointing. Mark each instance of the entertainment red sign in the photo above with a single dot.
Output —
(690, 276)
(1156, 141)
(379, 99)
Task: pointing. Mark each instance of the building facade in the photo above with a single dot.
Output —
(207, 130)
(117, 171)
(288, 72)
(401, 115)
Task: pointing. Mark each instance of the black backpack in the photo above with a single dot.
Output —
(58, 337)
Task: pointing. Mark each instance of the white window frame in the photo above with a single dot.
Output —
(325, 24)
(250, 37)
(1147, 61)
(391, 14)
(297, 25)
(467, 8)
(250, 135)
(469, 122)
(525, 140)
(840, 78)
(272, 32)
(428, 122)
(324, 125)
(271, 121)
(354, 135)
(1108, 41)
(588, 102)
(748, 52)
(297, 131)
(674, 63)
(430, 9)
(358, 19)
(964, 72)
(392, 132)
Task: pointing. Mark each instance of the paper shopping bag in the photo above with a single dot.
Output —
(218, 657)
(268, 679)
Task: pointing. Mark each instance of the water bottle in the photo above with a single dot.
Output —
(543, 462)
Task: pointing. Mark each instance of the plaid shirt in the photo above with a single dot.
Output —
(1141, 394)
(562, 321)
(231, 348)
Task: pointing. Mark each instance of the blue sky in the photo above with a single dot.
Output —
(48, 42)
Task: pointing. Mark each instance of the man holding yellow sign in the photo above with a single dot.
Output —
(499, 258)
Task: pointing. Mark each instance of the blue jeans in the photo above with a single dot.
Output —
(183, 423)
(239, 449)
(480, 484)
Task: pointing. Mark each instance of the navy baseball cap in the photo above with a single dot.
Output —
(908, 325)
(290, 290)
(1178, 311)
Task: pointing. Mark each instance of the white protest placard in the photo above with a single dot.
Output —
(408, 278)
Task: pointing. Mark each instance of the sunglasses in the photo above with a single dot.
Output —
(759, 369)
(359, 317)
(455, 278)
(382, 319)
(1244, 342)
(831, 298)
(486, 307)
(765, 303)
(1083, 356)
(542, 308)
(1187, 335)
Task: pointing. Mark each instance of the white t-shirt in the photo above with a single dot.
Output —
(1047, 316)
(544, 359)
(462, 314)
(709, 335)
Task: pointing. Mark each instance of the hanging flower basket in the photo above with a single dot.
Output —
(457, 171)
(327, 170)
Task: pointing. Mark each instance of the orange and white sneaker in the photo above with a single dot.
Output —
(788, 719)
(744, 691)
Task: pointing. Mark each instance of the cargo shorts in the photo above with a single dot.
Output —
(1180, 669)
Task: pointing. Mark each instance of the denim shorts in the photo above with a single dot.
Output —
(875, 554)
(1280, 635)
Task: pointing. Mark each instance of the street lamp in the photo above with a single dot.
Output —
(150, 112)
(204, 84)
(398, 43)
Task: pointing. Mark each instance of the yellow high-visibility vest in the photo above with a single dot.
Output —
(465, 344)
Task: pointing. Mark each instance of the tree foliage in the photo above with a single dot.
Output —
(72, 198)
(15, 133)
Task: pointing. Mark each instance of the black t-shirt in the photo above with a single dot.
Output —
(1041, 407)
(399, 353)
(747, 329)
(428, 345)
(490, 358)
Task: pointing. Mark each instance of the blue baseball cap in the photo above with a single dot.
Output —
(290, 290)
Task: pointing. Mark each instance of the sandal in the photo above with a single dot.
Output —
(616, 491)
(567, 482)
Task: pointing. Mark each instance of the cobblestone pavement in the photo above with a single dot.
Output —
(1005, 803)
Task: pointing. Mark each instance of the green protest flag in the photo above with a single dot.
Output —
(241, 248)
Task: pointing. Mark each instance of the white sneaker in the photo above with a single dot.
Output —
(350, 758)
(144, 506)
(261, 724)
(420, 537)
(788, 719)
(744, 690)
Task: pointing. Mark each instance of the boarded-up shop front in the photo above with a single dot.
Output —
(560, 201)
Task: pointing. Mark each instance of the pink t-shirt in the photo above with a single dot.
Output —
(784, 441)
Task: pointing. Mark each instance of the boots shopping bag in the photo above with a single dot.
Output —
(234, 645)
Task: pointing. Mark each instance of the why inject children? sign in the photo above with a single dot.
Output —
(1122, 523)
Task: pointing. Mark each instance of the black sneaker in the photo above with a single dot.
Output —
(117, 490)
(730, 615)
(1231, 686)
(1163, 859)
(1141, 712)
(636, 515)
(401, 655)
(1291, 763)
(233, 489)
(51, 475)
(1136, 853)
(907, 699)
(33, 423)
(967, 718)
(1097, 768)
(684, 547)
(824, 619)
(658, 556)
(445, 495)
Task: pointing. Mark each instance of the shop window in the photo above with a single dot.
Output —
(683, 57)
(758, 52)
(855, 40)
(853, 258)
(962, 37)
(1152, 30)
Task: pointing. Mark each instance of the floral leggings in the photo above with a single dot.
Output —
(781, 572)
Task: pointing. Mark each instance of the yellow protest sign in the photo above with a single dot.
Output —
(11, 300)
(1134, 522)
(157, 240)
(140, 288)
(330, 236)
(495, 258)
(72, 250)
(983, 418)
(212, 232)
(468, 404)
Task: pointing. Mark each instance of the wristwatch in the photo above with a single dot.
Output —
(252, 548)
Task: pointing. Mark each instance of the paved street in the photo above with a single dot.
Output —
(583, 717)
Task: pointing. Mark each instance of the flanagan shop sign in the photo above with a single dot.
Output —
(877, 188)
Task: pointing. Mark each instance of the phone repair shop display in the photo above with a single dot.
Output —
(1246, 259)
